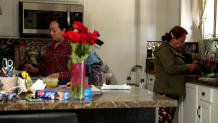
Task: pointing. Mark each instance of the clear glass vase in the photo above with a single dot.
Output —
(78, 73)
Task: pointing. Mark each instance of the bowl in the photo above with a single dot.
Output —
(50, 82)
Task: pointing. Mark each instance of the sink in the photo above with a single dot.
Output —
(207, 79)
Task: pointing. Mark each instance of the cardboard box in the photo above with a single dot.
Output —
(60, 93)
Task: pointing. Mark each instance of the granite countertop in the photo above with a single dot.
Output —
(198, 79)
(136, 98)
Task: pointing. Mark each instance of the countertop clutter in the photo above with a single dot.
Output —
(135, 98)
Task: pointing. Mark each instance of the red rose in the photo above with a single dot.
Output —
(74, 37)
(66, 34)
(92, 38)
(83, 38)
(79, 26)
(84, 30)
(96, 33)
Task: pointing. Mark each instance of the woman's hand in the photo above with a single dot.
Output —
(192, 67)
(53, 75)
(29, 67)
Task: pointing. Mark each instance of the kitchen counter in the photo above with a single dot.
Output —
(135, 106)
(136, 98)
(201, 80)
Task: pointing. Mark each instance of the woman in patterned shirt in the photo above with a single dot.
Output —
(57, 54)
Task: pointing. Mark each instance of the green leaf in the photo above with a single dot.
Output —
(69, 65)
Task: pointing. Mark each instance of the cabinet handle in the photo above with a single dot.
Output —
(202, 93)
(197, 111)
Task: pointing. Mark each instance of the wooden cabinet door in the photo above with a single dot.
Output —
(190, 103)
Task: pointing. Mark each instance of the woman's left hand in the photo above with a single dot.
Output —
(53, 75)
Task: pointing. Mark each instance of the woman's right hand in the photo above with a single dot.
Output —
(192, 67)
(29, 67)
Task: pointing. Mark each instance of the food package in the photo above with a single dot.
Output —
(59, 93)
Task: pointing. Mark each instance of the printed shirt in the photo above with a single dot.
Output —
(55, 61)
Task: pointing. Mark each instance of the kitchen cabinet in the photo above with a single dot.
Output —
(162, 16)
(198, 103)
(190, 19)
(150, 81)
(190, 104)
(204, 112)
(215, 107)
(9, 19)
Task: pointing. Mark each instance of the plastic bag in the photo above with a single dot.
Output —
(98, 77)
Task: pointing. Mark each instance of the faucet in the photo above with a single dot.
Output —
(206, 51)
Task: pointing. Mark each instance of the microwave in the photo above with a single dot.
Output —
(35, 18)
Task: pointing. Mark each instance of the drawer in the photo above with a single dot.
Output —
(150, 88)
(205, 94)
(150, 79)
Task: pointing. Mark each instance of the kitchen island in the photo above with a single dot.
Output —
(136, 105)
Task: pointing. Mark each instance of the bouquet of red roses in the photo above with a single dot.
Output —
(80, 41)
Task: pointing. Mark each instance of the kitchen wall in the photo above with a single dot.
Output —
(125, 26)
(115, 21)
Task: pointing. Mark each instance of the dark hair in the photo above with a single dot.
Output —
(176, 31)
(62, 23)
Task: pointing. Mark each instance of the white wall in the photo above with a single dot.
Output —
(115, 21)
(190, 19)
(162, 16)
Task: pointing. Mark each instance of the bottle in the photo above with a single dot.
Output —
(108, 77)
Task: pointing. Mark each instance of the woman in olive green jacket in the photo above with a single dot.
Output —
(170, 70)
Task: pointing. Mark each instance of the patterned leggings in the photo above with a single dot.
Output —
(167, 113)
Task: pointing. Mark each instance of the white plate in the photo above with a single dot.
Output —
(116, 87)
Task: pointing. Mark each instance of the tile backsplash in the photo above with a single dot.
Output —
(152, 44)
(25, 45)
(31, 44)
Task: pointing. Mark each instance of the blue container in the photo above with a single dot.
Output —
(88, 92)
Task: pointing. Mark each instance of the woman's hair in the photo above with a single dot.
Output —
(62, 23)
(176, 32)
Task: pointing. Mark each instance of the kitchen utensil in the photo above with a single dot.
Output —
(7, 65)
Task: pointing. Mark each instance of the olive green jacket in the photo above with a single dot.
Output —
(170, 71)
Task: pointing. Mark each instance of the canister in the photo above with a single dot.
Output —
(149, 53)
